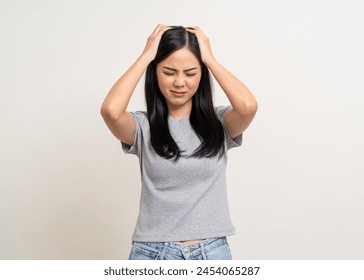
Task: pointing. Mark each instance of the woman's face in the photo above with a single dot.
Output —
(178, 77)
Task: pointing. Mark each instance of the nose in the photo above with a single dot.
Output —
(179, 81)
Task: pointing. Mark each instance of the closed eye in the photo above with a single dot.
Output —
(171, 74)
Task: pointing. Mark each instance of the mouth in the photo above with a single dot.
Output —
(178, 92)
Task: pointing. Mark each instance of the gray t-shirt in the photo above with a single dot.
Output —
(185, 200)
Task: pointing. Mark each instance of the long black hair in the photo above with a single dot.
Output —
(202, 118)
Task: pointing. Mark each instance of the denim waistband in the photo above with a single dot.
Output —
(178, 249)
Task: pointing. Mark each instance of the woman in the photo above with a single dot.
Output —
(182, 143)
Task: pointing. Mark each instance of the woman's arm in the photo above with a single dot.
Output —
(113, 110)
(242, 100)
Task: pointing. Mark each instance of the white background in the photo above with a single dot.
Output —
(67, 191)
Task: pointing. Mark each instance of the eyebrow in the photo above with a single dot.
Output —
(172, 69)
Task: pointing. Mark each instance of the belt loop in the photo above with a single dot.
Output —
(163, 254)
(202, 248)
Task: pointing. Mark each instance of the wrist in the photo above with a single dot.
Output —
(145, 58)
(210, 62)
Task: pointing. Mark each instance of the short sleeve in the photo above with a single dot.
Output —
(140, 119)
(230, 142)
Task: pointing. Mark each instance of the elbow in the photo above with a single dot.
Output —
(249, 108)
(252, 108)
(104, 111)
(108, 113)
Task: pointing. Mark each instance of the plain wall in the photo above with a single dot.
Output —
(67, 191)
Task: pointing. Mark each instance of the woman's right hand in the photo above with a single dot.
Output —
(151, 48)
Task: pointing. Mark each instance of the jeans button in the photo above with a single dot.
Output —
(186, 250)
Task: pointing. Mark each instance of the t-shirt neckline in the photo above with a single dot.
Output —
(178, 120)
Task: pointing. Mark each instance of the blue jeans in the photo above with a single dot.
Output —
(209, 249)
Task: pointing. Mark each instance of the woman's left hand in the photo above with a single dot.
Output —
(204, 44)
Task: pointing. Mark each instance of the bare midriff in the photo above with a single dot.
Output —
(191, 242)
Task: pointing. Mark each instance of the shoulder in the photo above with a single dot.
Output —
(231, 140)
(140, 116)
(220, 111)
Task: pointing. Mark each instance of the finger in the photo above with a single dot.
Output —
(164, 28)
(161, 31)
(195, 30)
(198, 29)
(191, 29)
(159, 28)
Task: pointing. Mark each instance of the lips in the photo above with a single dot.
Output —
(178, 92)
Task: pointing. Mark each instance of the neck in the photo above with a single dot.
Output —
(179, 112)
